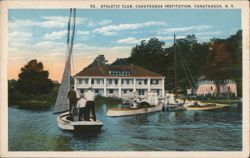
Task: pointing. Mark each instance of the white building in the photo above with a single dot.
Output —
(116, 81)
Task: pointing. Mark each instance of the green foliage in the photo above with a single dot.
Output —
(121, 61)
(37, 102)
(99, 61)
(33, 80)
(217, 60)
(150, 55)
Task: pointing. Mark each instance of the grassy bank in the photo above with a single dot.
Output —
(32, 102)
(45, 102)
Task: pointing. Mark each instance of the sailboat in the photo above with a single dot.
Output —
(172, 103)
(61, 107)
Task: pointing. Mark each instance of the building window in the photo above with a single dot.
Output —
(158, 92)
(211, 88)
(116, 81)
(92, 82)
(122, 81)
(228, 88)
(79, 81)
(141, 92)
(98, 81)
(110, 81)
(145, 81)
(81, 91)
(111, 91)
(97, 91)
(139, 82)
(154, 81)
(86, 81)
(127, 81)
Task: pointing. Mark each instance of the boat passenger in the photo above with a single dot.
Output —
(90, 105)
(81, 104)
(72, 100)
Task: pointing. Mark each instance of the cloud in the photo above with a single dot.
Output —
(113, 29)
(185, 29)
(209, 33)
(55, 35)
(133, 40)
(49, 44)
(46, 22)
(17, 36)
(83, 33)
(98, 23)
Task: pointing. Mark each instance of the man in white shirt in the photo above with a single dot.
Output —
(81, 104)
(90, 105)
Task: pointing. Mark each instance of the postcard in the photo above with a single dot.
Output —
(124, 78)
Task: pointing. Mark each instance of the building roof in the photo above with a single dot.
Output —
(103, 71)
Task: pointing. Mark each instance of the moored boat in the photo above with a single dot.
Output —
(113, 112)
(208, 106)
(138, 105)
(65, 122)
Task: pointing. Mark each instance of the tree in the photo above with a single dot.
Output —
(99, 61)
(150, 55)
(33, 79)
(121, 61)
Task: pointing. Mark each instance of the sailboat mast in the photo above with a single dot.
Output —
(62, 103)
(175, 69)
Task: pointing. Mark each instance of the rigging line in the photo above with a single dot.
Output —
(72, 61)
(182, 63)
(191, 76)
(73, 34)
(68, 34)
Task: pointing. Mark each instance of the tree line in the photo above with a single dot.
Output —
(217, 60)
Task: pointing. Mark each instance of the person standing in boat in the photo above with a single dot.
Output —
(72, 100)
(90, 105)
(81, 104)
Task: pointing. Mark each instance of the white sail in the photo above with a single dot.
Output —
(62, 101)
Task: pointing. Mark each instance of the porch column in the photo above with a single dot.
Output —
(163, 88)
(134, 90)
(119, 88)
(148, 84)
(105, 87)
(90, 82)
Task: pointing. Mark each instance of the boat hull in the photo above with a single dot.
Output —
(115, 112)
(204, 107)
(84, 126)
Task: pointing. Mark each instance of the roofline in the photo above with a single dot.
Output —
(118, 76)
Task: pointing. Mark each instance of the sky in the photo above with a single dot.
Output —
(41, 33)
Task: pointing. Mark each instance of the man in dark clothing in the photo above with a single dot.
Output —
(72, 99)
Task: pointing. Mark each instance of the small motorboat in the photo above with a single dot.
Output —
(65, 122)
(137, 105)
(113, 112)
(205, 106)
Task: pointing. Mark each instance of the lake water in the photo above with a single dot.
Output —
(219, 130)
